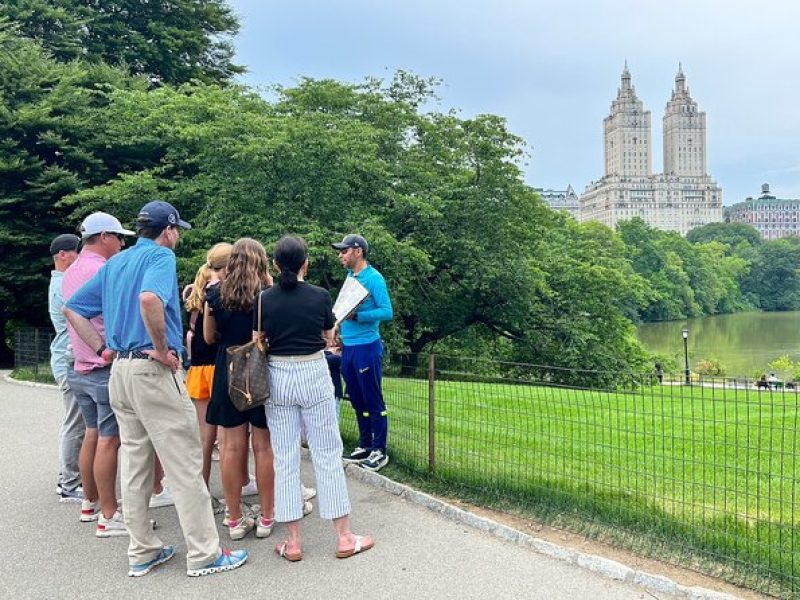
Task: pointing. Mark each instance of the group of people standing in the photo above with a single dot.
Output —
(123, 312)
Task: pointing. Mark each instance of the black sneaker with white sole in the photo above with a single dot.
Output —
(376, 461)
(357, 456)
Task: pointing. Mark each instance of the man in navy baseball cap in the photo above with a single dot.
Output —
(352, 240)
(158, 215)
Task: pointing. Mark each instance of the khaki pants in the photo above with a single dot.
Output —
(155, 414)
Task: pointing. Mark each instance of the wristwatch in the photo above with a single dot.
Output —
(99, 351)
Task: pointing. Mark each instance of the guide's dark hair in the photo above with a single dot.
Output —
(290, 254)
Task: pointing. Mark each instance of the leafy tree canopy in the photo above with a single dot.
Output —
(730, 234)
(49, 148)
(173, 41)
(470, 251)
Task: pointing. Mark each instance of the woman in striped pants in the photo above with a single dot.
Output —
(297, 319)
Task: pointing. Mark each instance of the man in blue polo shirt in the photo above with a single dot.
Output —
(362, 354)
(137, 293)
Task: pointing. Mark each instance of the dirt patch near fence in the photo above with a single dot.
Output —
(579, 543)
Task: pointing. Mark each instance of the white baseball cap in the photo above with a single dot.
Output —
(100, 222)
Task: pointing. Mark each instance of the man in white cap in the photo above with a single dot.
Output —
(103, 236)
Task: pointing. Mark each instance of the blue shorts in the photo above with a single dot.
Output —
(91, 392)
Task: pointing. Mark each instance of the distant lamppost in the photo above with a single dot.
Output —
(685, 334)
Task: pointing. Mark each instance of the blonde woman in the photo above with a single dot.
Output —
(202, 355)
(228, 320)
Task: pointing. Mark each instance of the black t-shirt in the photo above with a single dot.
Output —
(233, 326)
(293, 320)
(202, 354)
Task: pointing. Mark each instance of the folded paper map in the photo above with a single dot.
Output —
(350, 297)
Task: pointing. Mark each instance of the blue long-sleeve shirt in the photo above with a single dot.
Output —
(60, 356)
(376, 308)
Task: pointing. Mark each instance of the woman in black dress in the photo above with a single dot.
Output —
(228, 322)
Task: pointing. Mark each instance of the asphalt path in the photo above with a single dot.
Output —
(48, 553)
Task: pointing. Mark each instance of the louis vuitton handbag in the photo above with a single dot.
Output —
(248, 374)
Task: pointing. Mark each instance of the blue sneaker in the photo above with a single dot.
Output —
(227, 561)
(166, 553)
(75, 495)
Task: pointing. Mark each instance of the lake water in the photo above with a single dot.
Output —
(743, 342)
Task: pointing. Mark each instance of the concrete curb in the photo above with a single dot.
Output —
(597, 564)
(7, 377)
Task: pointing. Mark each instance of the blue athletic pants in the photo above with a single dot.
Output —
(362, 372)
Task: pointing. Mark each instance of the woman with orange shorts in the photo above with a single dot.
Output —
(202, 356)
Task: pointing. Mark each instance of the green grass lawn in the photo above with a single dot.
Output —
(709, 476)
(40, 374)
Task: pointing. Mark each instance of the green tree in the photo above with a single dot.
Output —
(469, 250)
(174, 41)
(686, 279)
(49, 148)
(773, 281)
(730, 234)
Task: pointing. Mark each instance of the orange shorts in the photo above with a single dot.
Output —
(198, 382)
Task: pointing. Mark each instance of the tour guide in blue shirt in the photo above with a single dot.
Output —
(362, 353)
(136, 291)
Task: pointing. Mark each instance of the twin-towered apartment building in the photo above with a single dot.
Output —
(684, 195)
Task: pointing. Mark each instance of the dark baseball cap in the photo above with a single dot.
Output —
(66, 241)
(352, 240)
(159, 214)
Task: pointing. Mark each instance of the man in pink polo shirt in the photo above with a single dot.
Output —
(103, 237)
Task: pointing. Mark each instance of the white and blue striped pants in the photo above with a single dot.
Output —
(302, 394)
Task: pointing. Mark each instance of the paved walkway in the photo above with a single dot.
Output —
(48, 553)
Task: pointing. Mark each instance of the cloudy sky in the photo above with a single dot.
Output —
(552, 67)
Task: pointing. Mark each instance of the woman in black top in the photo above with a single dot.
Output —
(202, 355)
(298, 322)
(228, 322)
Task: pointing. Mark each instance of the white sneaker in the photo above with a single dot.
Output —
(251, 489)
(239, 529)
(226, 517)
(308, 508)
(264, 527)
(89, 511)
(215, 453)
(308, 492)
(113, 527)
(163, 499)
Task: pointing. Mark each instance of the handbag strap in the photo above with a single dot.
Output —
(266, 341)
(259, 310)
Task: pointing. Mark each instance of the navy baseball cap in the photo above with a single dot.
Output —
(159, 214)
(352, 241)
(66, 241)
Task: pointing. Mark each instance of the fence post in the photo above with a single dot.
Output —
(431, 412)
(36, 351)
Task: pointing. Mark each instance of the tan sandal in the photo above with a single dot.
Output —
(359, 547)
(281, 550)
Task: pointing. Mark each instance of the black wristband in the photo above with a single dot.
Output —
(99, 351)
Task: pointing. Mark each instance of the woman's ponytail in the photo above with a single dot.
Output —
(288, 279)
(291, 254)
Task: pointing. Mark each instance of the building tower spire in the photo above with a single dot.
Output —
(626, 132)
(680, 82)
(684, 133)
(626, 77)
